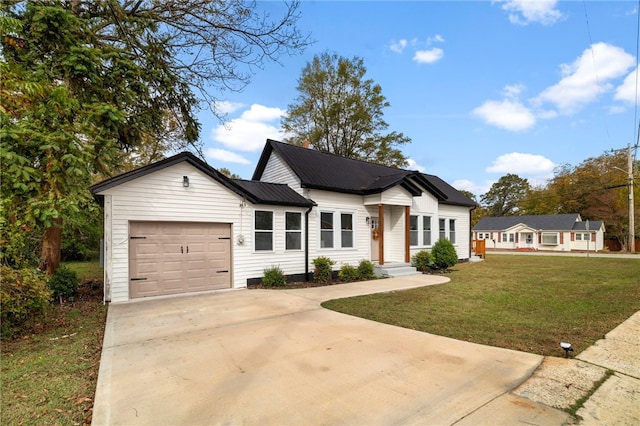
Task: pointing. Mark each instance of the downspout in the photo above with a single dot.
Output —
(306, 243)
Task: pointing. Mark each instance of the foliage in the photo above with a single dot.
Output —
(23, 297)
(339, 111)
(348, 273)
(82, 233)
(504, 197)
(323, 269)
(507, 302)
(444, 254)
(273, 277)
(63, 283)
(89, 88)
(422, 261)
(228, 173)
(366, 270)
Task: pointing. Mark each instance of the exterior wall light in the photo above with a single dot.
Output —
(185, 181)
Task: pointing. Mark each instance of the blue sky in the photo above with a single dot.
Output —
(482, 88)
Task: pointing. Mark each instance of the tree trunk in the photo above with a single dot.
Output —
(51, 247)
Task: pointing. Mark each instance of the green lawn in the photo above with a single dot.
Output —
(527, 303)
(49, 374)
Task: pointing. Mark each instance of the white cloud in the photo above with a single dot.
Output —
(250, 130)
(413, 165)
(226, 107)
(435, 39)
(428, 56)
(398, 46)
(513, 91)
(587, 77)
(226, 156)
(626, 92)
(508, 114)
(524, 12)
(522, 164)
(474, 188)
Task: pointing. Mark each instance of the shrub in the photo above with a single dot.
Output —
(63, 283)
(323, 268)
(444, 254)
(273, 277)
(23, 296)
(365, 270)
(422, 261)
(348, 273)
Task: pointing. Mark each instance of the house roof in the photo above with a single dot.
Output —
(321, 170)
(556, 222)
(254, 192)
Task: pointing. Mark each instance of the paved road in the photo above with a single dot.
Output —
(277, 358)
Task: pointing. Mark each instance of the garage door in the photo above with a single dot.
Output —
(178, 257)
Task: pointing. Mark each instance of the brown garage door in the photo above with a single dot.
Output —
(178, 257)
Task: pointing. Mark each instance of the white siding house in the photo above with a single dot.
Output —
(179, 226)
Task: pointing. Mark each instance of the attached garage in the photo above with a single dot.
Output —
(179, 226)
(178, 257)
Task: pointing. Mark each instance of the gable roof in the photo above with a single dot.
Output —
(556, 222)
(254, 192)
(330, 172)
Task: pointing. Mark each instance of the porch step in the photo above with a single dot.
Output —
(475, 259)
(395, 270)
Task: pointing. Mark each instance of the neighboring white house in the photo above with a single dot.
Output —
(561, 232)
(179, 226)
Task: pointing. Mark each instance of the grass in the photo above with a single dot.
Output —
(526, 303)
(49, 373)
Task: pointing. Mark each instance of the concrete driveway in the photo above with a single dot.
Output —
(277, 358)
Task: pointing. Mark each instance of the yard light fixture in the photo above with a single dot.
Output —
(185, 181)
(567, 348)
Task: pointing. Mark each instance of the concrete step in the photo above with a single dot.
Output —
(395, 270)
(475, 259)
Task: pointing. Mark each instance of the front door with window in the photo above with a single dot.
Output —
(375, 235)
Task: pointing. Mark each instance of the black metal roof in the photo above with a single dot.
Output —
(556, 222)
(320, 170)
(254, 192)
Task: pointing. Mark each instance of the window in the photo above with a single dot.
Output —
(293, 231)
(550, 238)
(346, 228)
(511, 238)
(426, 230)
(263, 225)
(504, 237)
(586, 237)
(578, 237)
(413, 230)
(326, 230)
(452, 230)
(443, 232)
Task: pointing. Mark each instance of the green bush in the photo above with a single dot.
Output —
(444, 254)
(323, 268)
(273, 277)
(23, 296)
(365, 270)
(422, 261)
(348, 273)
(63, 283)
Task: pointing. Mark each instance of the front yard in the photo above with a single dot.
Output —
(527, 303)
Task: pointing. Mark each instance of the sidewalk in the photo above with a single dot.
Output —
(559, 382)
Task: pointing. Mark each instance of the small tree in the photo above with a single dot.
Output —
(444, 254)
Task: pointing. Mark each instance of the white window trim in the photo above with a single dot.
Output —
(557, 239)
(272, 231)
(337, 229)
(287, 231)
(447, 230)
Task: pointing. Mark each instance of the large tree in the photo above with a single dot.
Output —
(504, 197)
(339, 111)
(85, 83)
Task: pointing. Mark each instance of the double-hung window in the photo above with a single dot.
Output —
(452, 230)
(413, 230)
(578, 236)
(426, 230)
(263, 227)
(326, 229)
(442, 226)
(346, 230)
(293, 231)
